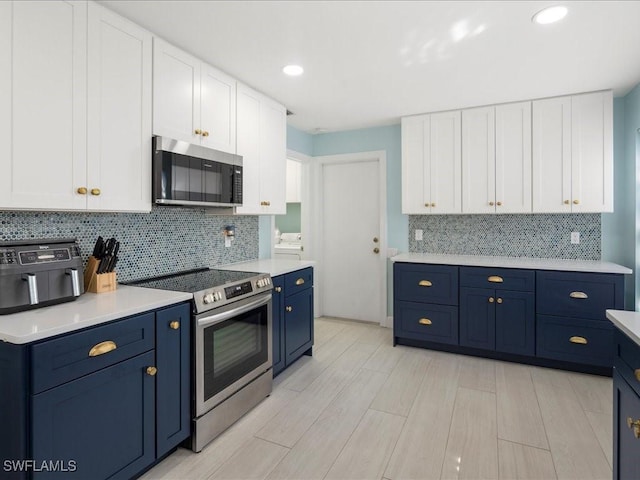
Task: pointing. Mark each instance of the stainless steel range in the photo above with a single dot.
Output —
(232, 345)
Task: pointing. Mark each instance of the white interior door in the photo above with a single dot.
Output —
(352, 279)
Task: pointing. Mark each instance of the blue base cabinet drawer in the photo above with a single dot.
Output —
(574, 340)
(427, 322)
(299, 280)
(504, 278)
(579, 295)
(426, 283)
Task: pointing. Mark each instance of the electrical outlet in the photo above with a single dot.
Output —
(418, 235)
(575, 238)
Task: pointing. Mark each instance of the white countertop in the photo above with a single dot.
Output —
(628, 322)
(272, 266)
(592, 266)
(88, 310)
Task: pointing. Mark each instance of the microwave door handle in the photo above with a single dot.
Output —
(33, 288)
(75, 280)
(221, 317)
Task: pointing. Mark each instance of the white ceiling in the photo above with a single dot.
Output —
(368, 63)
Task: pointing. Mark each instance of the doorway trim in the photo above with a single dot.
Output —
(316, 215)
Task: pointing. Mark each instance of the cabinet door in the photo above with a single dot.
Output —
(626, 445)
(248, 143)
(513, 158)
(273, 157)
(119, 115)
(298, 324)
(173, 387)
(416, 197)
(477, 318)
(44, 130)
(217, 109)
(515, 322)
(445, 163)
(592, 152)
(551, 163)
(278, 354)
(478, 160)
(176, 93)
(104, 422)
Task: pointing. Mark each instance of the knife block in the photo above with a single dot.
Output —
(98, 283)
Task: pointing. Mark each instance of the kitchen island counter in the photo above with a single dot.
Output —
(88, 310)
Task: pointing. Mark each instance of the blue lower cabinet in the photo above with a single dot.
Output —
(626, 430)
(298, 324)
(100, 426)
(477, 318)
(426, 322)
(278, 324)
(515, 322)
(173, 380)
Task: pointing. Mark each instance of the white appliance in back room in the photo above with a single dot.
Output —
(290, 246)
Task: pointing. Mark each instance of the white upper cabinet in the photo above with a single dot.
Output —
(496, 159)
(431, 168)
(262, 143)
(573, 154)
(119, 113)
(192, 101)
(43, 54)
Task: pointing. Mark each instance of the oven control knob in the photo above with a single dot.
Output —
(208, 298)
(260, 282)
(217, 296)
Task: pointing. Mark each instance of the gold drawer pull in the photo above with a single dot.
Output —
(151, 371)
(635, 425)
(300, 281)
(289, 309)
(636, 373)
(425, 283)
(578, 340)
(102, 348)
(175, 325)
(495, 279)
(424, 321)
(491, 299)
(499, 300)
(578, 295)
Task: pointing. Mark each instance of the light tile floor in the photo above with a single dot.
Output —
(362, 409)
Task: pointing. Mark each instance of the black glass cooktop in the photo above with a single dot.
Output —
(194, 280)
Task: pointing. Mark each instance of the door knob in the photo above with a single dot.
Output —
(376, 250)
(375, 240)
(198, 131)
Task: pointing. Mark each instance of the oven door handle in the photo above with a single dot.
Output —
(220, 317)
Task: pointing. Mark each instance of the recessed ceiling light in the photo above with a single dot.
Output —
(550, 15)
(293, 70)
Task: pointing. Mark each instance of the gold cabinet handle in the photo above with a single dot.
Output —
(581, 295)
(425, 283)
(198, 131)
(491, 299)
(289, 309)
(426, 205)
(499, 204)
(636, 373)
(205, 134)
(433, 204)
(82, 190)
(175, 325)
(376, 250)
(578, 340)
(102, 348)
(576, 202)
(95, 191)
(278, 289)
(567, 202)
(499, 300)
(424, 321)
(491, 204)
(635, 425)
(495, 279)
(300, 281)
(151, 371)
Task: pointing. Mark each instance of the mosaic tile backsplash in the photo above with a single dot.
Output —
(538, 236)
(164, 241)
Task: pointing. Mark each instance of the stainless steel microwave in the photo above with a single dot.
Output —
(192, 175)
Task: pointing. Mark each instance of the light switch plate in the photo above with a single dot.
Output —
(418, 234)
(575, 238)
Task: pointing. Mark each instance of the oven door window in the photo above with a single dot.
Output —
(233, 348)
